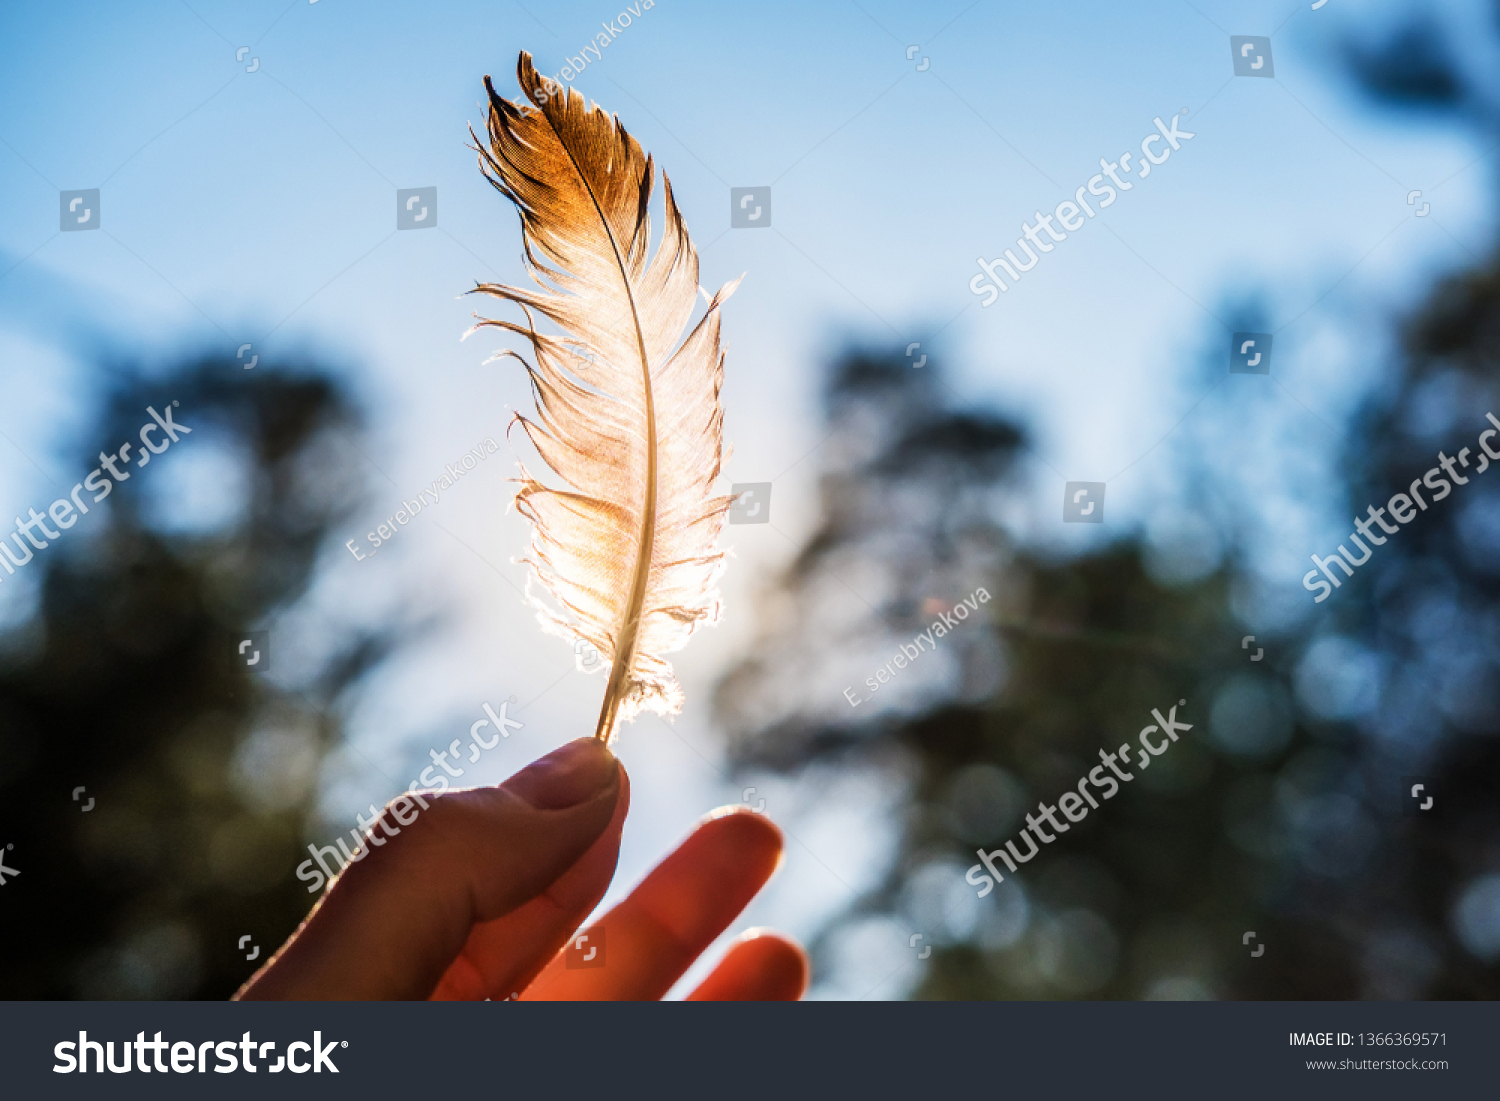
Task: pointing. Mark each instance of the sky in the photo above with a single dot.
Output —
(248, 156)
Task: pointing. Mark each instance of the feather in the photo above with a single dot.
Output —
(626, 415)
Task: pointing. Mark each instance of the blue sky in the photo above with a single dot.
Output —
(258, 207)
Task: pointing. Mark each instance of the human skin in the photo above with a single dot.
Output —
(479, 895)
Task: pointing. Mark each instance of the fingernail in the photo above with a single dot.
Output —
(567, 776)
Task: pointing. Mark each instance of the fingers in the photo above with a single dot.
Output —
(503, 956)
(759, 967)
(678, 911)
(392, 922)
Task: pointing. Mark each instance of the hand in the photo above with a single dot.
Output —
(476, 897)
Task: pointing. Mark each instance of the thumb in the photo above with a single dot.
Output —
(392, 921)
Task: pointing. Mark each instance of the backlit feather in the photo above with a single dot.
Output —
(627, 410)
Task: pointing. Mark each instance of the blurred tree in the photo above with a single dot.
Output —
(1281, 812)
(127, 679)
(1286, 810)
